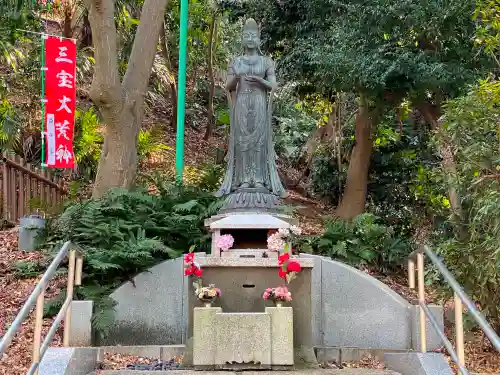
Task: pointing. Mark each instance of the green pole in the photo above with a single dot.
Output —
(181, 97)
(42, 71)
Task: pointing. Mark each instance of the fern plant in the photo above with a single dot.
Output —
(126, 232)
(364, 241)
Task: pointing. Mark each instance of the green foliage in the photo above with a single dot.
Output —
(124, 233)
(362, 242)
(471, 122)
(89, 139)
(294, 124)
(383, 48)
(488, 31)
(149, 142)
(10, 128)
(87, 142)
(28, 268)
(327, 180)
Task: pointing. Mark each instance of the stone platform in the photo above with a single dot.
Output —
(260, 340)
(347, 371)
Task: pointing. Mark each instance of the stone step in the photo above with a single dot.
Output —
(347, 371)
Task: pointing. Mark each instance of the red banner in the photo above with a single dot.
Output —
(60, 97)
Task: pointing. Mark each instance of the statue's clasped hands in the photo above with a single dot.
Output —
(253, 79)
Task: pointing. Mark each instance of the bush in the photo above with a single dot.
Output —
(124, 233)
(471, 252)
(362, 242)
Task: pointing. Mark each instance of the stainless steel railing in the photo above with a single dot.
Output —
(37, 298)
(460, 298)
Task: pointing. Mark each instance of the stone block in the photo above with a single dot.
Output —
(168, 352)
(350, 354)
(281, 335)
(415, 363)
(316, 301)
(433, 339)
(242, 338)
(144, 351)
(205, 335)
(80, 333)
(360, 311)
(68, 361)
(150, 310)
(327, 354)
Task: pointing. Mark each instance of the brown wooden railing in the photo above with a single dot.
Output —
(21, 184)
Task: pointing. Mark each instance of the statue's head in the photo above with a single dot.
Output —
(251, 34)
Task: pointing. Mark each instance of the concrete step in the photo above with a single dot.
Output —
(347, 371)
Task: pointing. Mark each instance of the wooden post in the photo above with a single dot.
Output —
(459, 330)
(5, 189)
(28, 191)
(421, 300)
(12, 194)
(69, 294)
(20, 196)
(78, 271)
(37, 339)
(411, 273)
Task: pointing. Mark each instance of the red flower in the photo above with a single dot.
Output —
(283, 258)
(188, 271)
(293, 267)
(282, 274)
(197, 271)
(188, 258)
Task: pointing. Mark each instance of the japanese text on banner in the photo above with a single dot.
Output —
(60, 97)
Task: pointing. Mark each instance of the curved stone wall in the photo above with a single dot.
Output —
(349, 309)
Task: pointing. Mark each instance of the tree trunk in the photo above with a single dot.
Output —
(171, 78)
(86, 32)
(354, 198)
(121, 103)
(68, 18)
(210, 58)
(431, 114)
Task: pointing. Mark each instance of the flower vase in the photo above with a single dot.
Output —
(208, 304)
(278, 304)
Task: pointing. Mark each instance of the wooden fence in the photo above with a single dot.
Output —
(22, 187)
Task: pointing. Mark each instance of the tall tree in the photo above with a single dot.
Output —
(121, 101)
(212, 40)
(383, 50)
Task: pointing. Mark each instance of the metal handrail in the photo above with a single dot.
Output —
(37, 298)
(460, 297)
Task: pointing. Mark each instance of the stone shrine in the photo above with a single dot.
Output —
(245, 332)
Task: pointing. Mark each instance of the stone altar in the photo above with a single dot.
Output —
(242, 281)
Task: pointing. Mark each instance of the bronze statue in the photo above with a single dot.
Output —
(251, 180)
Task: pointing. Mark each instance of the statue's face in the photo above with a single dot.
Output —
(251, 39)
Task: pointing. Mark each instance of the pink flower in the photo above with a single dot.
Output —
(225, 242)
(188, 258)
(275, 242)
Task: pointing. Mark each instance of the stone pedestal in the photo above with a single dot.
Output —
(243, 281)
(242, 340)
